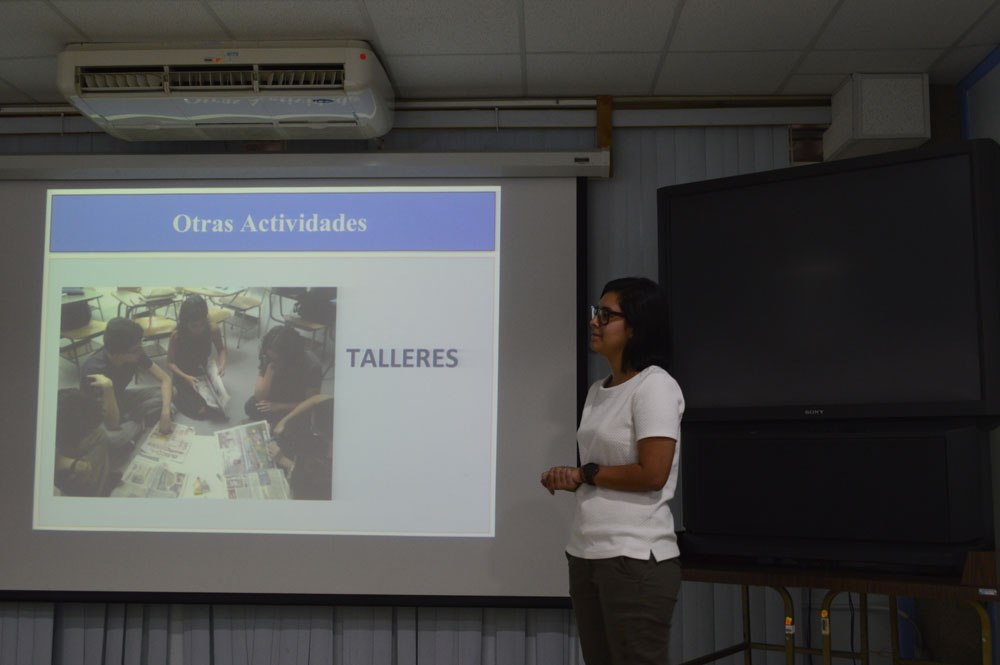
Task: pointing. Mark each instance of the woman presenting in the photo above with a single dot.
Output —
(622, 551)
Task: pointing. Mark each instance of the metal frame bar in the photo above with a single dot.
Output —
(747, 646)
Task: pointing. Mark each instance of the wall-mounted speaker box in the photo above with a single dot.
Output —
(875, 113)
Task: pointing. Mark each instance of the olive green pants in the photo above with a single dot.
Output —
(623, 608)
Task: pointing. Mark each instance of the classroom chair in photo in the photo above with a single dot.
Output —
(150, 309)
(76, 324)
(80, 340)
(313, 328)
(154, 329)
(240, 304)
(83, 294)
(219, 316)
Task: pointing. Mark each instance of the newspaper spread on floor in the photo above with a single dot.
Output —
(149, 474)
(166, 466)
(248, 469)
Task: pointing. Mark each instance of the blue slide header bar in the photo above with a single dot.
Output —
(263, 221)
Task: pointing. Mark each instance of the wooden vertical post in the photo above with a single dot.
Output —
(604, 127)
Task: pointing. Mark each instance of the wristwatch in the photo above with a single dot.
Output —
(588, 471)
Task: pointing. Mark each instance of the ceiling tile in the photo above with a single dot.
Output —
(812, 84)
(411, 27)
(846, 62)
(457, 48)
(456, 76)
(957, 64)
(293, 19)
(588, 26)
(986, 31)
(32, 29)
(589, 74)
(35, 77)
(900, 24)
(159, 21)
(756, 73)
(737, 25)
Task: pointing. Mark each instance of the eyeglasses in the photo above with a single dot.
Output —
(603, 314)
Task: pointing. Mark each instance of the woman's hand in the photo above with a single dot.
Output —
(567, 478)
(166, 425)
(278, 457)
(191, 381)
(267, 406)
(99, 381)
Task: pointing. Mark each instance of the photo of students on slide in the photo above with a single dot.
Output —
(196, 392)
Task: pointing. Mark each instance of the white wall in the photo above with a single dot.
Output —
(984, 107)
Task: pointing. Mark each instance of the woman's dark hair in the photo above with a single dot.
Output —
(286, 342)
(77, 414)
(645, 309)
(194, 308)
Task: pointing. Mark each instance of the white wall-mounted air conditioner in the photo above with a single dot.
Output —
(306, 90)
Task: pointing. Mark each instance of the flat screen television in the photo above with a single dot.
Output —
(836, 332)
(864, 288)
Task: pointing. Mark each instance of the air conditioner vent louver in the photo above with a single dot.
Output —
(302, 77)
(254, 77)
(103, 79)
(214, 78)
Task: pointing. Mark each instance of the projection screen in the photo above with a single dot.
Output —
(443, 363)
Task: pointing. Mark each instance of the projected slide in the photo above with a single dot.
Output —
(274, 360)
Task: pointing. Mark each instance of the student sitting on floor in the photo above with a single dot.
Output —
(306, 453)
(134, 408)
(200, 392)
(289, 374)
(83, 466)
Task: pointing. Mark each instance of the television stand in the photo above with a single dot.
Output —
(976, 586)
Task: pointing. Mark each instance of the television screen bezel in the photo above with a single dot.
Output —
(984, 162)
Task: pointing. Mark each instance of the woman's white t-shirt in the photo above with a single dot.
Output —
(610, 523)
